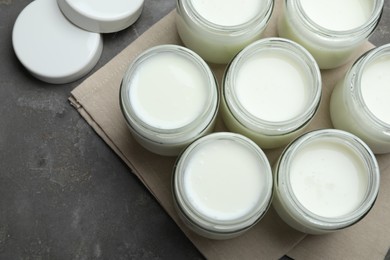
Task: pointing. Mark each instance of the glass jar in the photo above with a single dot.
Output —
(332, 31)
(222, 185)
(324, 181)
(270, 92)
(360, 101)
(217, 30)
(169, 97)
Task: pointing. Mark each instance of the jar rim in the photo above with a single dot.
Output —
(364, 28)
(205, 222)
(260, 125)
(260, 20)
(282, 179)
(355, 75)
(178, 134)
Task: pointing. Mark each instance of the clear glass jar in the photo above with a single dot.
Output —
(360, 101)
(222, 185)
(169, 97)
(270, 92)
(331, 46)
(324, 181)
(219, 30)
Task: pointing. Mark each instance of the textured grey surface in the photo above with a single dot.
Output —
(63, 193)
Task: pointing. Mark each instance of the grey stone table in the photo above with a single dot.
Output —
(63, 193)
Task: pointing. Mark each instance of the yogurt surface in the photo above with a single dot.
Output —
(375, 88)
(328, 178)
(168, 90)
(228, 12)
(224, 180)
(273, 86)
(338, 15)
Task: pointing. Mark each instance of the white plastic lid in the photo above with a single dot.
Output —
(52, 48)
(103, 16)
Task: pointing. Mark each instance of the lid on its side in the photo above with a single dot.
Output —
(102, 16)
(50, 47)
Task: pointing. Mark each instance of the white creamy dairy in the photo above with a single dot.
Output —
(338, 15)
(228, 12)
(224, 180)
(375, 88)
(332, 31)
(168, 91)
(272, 86)
(328, 178)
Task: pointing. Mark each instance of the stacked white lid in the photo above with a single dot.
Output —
(60, 41)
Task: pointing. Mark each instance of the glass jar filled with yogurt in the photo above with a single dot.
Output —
(324, 181)
(218, 29)
(332, 30)
(271, 91)
(169, 97)
(222, 185)
(360, 102)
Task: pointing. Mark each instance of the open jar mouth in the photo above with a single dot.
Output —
(297, 209)
(306, 62)
(229, 225)
(365, 29)
(258, 21)
(355, 75)
(181, 133)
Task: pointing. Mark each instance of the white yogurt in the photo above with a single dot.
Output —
(228, 12)
(360, 101)
(270, 92)
(338, 15)
(217, 30)
(332, 31)
(169, 97)
(222, 185)
(334, 183)
(375, 87)
(173, 96)
(224, 180)
(326, 180)
(267, 95)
